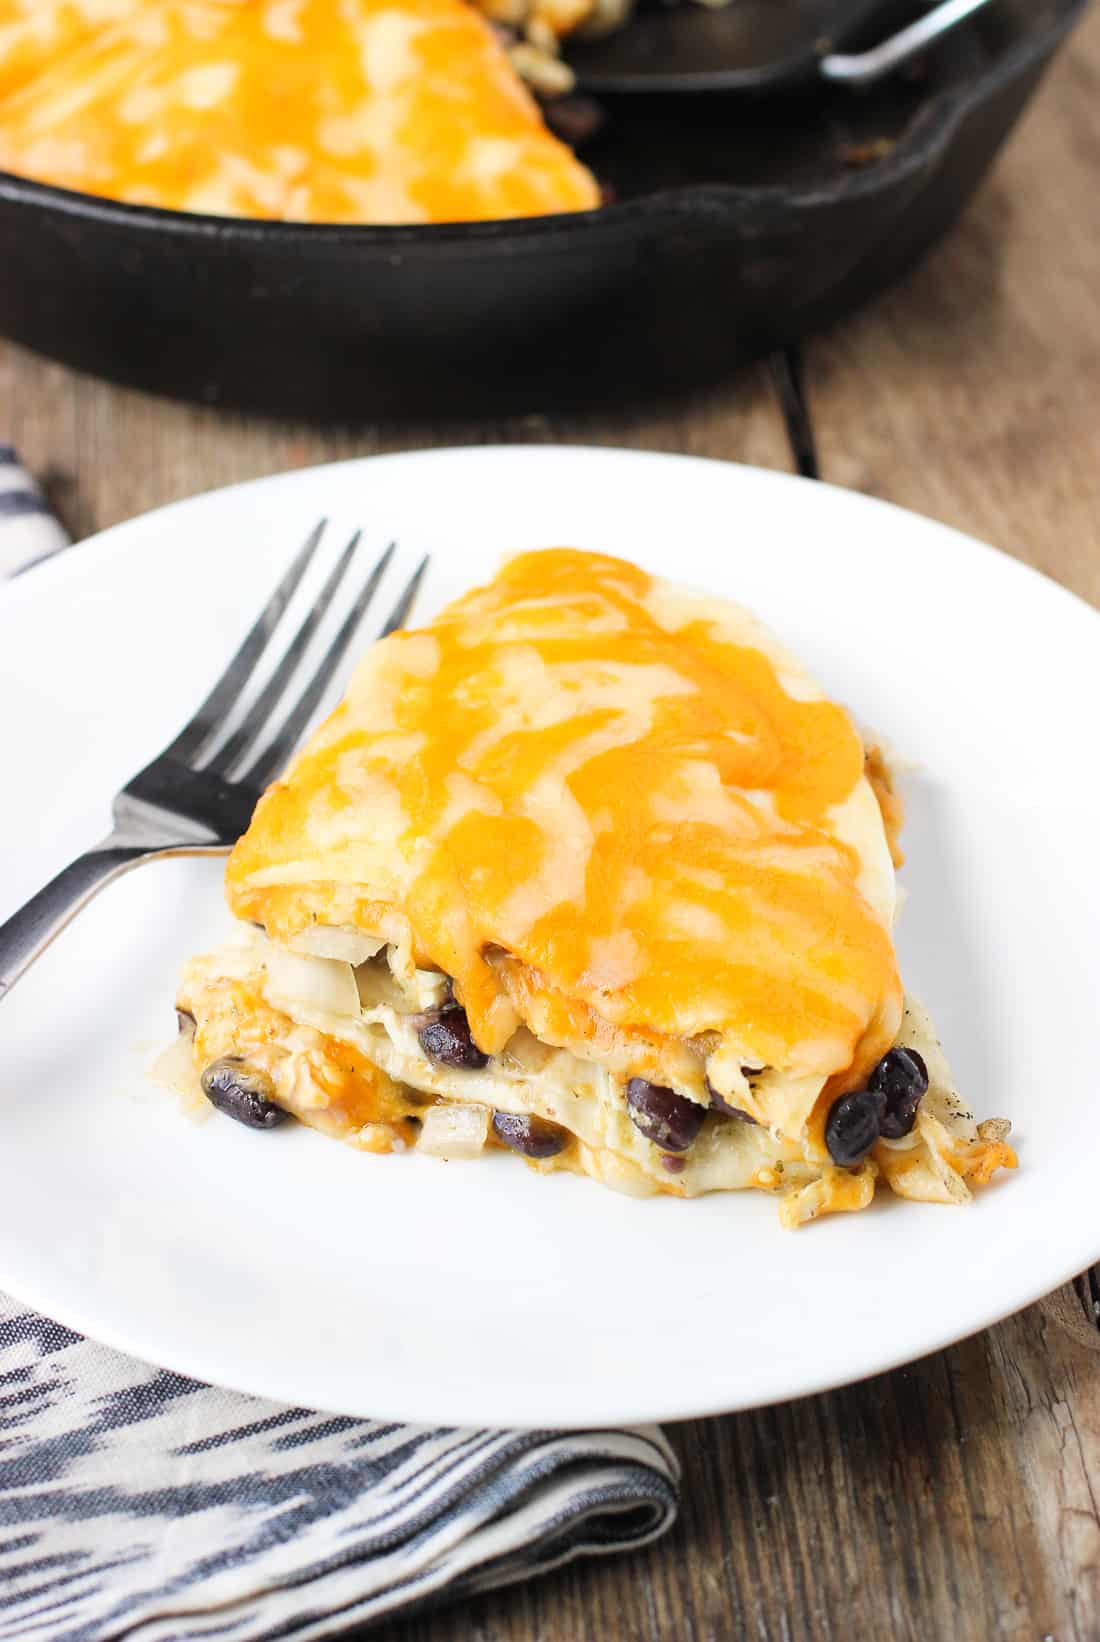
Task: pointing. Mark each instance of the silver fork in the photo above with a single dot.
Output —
(196, 797)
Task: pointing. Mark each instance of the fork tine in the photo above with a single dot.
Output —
(405, 603)
(255, 720)
(209, 717)
(274, 757)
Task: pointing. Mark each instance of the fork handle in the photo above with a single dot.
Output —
(28, 932)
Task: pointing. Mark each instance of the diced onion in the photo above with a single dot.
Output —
(425, 988)
(320, 984)
(429, 988)
(347, 946)
(454, 1131)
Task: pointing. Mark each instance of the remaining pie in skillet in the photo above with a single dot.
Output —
(36, 33)
(378, 111)
(591, 870)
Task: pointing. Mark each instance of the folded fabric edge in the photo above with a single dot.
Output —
(624, 1509)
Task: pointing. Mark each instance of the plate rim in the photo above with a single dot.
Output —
(110, 536)
(474, 1414)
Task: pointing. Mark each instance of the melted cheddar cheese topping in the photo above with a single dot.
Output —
(380, 111)
(35, 33)
(583, 792)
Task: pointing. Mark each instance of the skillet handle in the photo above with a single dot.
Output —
(865, 67)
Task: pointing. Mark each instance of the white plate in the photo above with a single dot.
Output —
(291, 1266)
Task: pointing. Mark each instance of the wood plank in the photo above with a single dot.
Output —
(951, 1499)
(107, 453)
(972, 392)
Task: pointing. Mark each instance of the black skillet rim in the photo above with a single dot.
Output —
(926, 137)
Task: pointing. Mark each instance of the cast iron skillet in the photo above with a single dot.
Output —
(739, 226)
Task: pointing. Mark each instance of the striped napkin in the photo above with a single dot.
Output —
(136, 1503)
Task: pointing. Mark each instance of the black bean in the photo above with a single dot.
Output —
(669, 1120)
(448, 1039)
(718, 1103)
(902, 1077)
(574, 118)
(853, 1125)
(673, 1165)
(242, 1092)
(186, 1022)
(531, 1136)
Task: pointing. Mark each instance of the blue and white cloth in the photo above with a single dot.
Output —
(137, 1504)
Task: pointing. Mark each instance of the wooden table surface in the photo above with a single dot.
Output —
(956, 1499)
